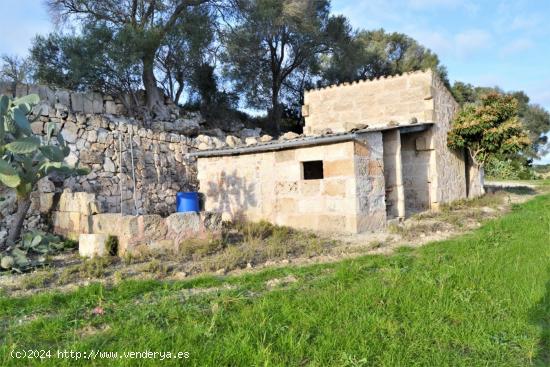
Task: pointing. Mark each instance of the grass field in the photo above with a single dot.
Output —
(482, 299)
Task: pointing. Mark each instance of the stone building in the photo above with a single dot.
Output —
(371, 151)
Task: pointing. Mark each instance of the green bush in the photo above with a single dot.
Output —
(509, 169)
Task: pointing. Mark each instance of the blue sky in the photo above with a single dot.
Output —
(489, 42)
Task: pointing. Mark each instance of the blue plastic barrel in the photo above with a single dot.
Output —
(187, 202)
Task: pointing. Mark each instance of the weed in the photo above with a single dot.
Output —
(118, 277)
(95, 267)
(199, 247)
(38, 279)
(157, 267)
(68, 275)
(111, 245)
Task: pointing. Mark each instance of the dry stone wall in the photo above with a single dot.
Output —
(119, 151)
(146, 167)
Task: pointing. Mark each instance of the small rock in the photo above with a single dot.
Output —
(272, 283)
(265, 138)
(251, 141)
(186, 126)
(92, 136)
(232, 141)
(218, 133)
(45, 185)
(7, 262)
(290, 135)
(204, 146)
(108, 165)
(70, 132)
(180, 275)
(37, 127)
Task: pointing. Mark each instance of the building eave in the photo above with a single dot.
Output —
(308, 141)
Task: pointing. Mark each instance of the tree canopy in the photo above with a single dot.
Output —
(372, 54)
(534, 118)
(271, 42)
(139, 33)
(490, 128)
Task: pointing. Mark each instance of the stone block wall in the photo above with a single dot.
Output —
(370, 183)
(271, 186)
(418, 172)
(373, 102)
(72, 214)
(79, 213)
(393, 174)
(73, 102)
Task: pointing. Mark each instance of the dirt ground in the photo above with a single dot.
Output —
(67, 272)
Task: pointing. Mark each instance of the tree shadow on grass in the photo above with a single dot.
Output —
(540, 316)
(517, 190)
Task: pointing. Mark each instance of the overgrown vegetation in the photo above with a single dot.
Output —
(33, 251)
(490, 130)
(250, 243)
(480, 299)
(534, 119)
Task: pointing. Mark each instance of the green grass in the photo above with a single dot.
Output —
(479, 300)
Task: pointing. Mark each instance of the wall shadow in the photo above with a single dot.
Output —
(517, 190)
(232, 194)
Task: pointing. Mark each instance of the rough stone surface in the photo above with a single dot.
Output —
(187, 127)
(400, 98)
(74, 218)
(91, 245)
(290, 135)
(250, 133)
(70, 132)
(251, 141)
(232, 141)
(266, 138)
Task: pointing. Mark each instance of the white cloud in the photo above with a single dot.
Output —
(469, 41)
(435, 40)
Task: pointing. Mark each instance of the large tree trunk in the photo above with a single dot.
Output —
(276, 111)
(23, 205)
(155, 100)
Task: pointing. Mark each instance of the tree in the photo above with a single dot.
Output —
(489, 129)
(25, 158)
(372, 54)
(95, 60)
(14, 70)
(187, 50)
(270, 41)
(145, 25)
(534, 118)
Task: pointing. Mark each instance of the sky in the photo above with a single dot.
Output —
(486, 43)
